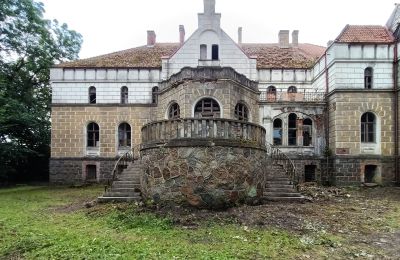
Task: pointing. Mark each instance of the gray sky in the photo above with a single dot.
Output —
(109, 26)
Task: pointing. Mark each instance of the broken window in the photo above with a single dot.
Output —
(241, 112)
(93, 135)
(368, 128)
(368, 78)
(124, 135)
(292, 131)
(215, 52)
(309, 173)
(154, 95)
(370, 173)
(307, 132)
(92, 95)
(91, 172)
(124, 95)
(174, 111)
(207, 107)
(292, 89)
(271, 93)
(277, 132)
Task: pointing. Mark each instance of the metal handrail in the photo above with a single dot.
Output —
(123, 160)
(281, 158)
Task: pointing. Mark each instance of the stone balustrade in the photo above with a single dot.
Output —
(225, 131)
(300, 96)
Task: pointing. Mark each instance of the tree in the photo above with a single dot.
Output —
(29, 46)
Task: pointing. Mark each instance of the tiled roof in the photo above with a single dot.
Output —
(268, 56)
(365, 34)
(271, 56)
(139, 57)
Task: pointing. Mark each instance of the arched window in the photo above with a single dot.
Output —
(241, 112)
(215, 52)
(277, 132)
(124, 95)
(368, 126)
(124, 135)
(203, 52)
(368, 78)
(307, 132)
(154, 95)
(93, 135)
(271, 93)
(207, 107)
(174, 111)
(92, 95)
(292, 129)
(292, 89)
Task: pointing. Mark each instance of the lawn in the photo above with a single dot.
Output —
(54, 223)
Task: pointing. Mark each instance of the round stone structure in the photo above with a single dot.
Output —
(206, 163)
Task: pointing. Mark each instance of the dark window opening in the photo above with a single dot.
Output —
(368, 128)
(309, 173)
(124, 95)
(277, 135)
(370, 174)
(93, 135)
(241, 112)
(207, 107)
(215, 52)
(174, 111)
(292, 132)
(91, 172)
(292, 89)
(203, 52)
(271, 93)
(124, 135)
(92, 95)
(368, 78)
(154, 95)
(307, 132)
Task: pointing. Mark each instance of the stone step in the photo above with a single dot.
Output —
(124, 190)
(271, 178)
(279, 189)
(118, 199)
(122, 186)
(278, 182)
(285, 199)
(121, 194)
(282, 194)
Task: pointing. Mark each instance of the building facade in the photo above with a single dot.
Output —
(333, 110)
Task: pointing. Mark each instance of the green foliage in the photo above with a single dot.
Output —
(29, 46)
(124, 220)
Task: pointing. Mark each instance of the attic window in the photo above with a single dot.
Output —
(203, 52)
(215, 52)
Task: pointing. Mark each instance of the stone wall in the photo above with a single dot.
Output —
(226, 92)
(68, 135)
(210, 177)
(73, 170)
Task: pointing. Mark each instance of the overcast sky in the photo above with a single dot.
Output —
(113, 25)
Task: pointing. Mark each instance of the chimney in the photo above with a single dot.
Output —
(151, 38)
(181, 34)
(295, 38)
(240, 30)
(284, 38)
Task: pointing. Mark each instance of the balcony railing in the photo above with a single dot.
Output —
(160, 132)
(300, 96)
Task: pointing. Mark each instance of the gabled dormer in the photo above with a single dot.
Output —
(209, 46)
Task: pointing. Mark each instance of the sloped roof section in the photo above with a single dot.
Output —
(365, 34)
(139, 57)
(271, 56)
(268, 56)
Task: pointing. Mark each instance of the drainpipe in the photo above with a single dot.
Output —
(396, 116)
(327, 116)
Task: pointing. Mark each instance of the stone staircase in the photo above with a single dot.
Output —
(126, 186)
(279, 187)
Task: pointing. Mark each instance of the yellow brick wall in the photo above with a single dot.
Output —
(68, 135)
(346, 109)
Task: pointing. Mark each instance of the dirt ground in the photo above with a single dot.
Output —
(353, 222)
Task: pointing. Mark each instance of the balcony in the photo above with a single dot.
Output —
(203, 132)
(302, 95)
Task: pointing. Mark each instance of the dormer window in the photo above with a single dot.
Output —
(368, 78)
(215, 52)
(203, 52)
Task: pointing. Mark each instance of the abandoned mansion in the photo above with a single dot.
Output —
(213, 111)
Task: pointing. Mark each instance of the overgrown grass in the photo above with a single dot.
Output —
(35, 223)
